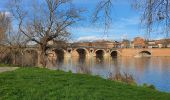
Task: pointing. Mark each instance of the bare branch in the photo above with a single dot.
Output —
(155, 13)
(103, 8)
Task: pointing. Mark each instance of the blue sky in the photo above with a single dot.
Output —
(125, 22)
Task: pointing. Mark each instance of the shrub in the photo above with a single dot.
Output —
(125, 78)
(149, 86)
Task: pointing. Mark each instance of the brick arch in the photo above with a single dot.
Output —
(118, 53)
(59, 49)
(75, 52)
(100, 49)
(59, 53)
(143, 53)
(97, 50)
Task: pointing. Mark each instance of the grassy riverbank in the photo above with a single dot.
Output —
(41, 84)
(5, 65)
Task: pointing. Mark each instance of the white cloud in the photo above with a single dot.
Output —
(88, 38)
(99, 37)
(7, 13)
(93, 38)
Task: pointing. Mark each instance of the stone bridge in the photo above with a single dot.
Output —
(106, 52)
(57, 52)
(84, 51)
(100, 49)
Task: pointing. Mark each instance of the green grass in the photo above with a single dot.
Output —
(7, 65)
(4, 65)
(44, 84)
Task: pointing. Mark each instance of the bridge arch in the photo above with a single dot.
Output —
(80, 52)
(144, 53)
(100, 52)
(115, 53)
(60, 53)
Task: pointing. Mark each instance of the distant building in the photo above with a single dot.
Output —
(165, 43)
(117, 44)
(138, 42)
(99, 44)
(152, 44)
(125, 44)
(108, 44)
(162, 43)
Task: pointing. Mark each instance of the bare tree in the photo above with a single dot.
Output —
(155, 13)
(44, 20)
(16, 43)
(11, 52)
(4, 24)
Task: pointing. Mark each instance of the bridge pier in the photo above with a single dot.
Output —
(67, 55)
(91, 52)
(107, 54)
(68, 52)
(51, 58)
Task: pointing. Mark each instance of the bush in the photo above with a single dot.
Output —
(125, 78)
(149, 86)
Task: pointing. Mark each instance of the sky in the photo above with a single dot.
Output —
(125, 22)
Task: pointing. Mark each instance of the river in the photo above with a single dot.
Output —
(149, 70)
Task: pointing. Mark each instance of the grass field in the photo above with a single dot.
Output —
(4, 65)
(44, 84)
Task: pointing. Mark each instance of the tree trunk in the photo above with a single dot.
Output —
(42, 56)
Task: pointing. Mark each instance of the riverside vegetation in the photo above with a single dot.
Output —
(42, 84)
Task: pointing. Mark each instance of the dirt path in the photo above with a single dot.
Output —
(4, 69)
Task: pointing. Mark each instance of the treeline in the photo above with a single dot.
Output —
(18, 56)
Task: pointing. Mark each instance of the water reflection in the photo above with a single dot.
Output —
(154, 70)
